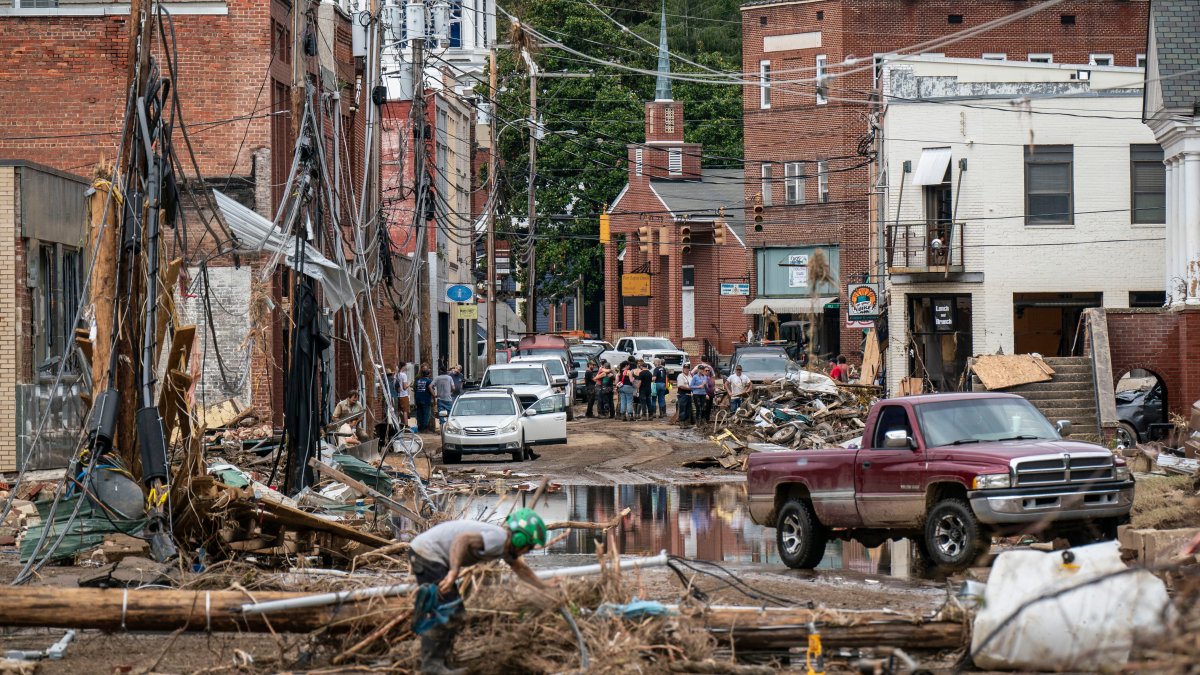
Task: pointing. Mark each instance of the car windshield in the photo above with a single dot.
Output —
(511, 377)
(555, 366)
(581, 363)
(654, 343)
(773, 364)
(481, 406)
(982, 420)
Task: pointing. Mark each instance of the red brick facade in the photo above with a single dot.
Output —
(1163, 342)
(796, 129)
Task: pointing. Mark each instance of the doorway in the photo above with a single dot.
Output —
(939, 329)
(689, 301)
(1047, 323)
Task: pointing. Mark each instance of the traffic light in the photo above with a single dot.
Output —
(758, 212)
(719, 233)
(685, 239)
(605, 227)
(644, 242)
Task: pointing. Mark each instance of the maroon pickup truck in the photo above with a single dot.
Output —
(946, 471)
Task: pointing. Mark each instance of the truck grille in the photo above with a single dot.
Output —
(479, 431)
(672, 359)
(1063, 469)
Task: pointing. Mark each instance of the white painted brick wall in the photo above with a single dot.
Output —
(1013, 257)
(230, 302)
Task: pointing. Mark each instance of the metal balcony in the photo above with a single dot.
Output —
(925, 248)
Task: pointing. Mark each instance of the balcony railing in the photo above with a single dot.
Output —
(928, 247)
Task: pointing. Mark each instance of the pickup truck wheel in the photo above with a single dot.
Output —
(953, 538)
(800, 537)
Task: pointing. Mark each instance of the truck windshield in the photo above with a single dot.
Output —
(982, 420)
(509, 377)
(655, 343)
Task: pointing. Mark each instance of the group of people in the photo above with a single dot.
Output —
(641, 389)
(432, 395)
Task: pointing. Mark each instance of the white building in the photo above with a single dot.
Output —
(1017, 194)
(468, 37)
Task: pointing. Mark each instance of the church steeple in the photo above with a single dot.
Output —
(662, 88)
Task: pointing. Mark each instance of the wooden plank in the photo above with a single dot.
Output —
(167, 278)
(1001, 371)
(872, 359)
(380, 498)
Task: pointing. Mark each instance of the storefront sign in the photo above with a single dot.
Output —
(468, 310)
(943, 315)
(861, 325)
(735, 289)
(797, 271)
(863, 302)
(635, 285)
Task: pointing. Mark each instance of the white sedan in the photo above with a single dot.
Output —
(492, 421)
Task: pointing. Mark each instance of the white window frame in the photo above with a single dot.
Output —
(995, 56)
(637, 162)
(1140, 61)
(823, 181)
(1093, 58)
(764, 85)
(675, 162)
(767, 173)
(1041, 58)
(793, 182)
(877, 61)
(21, 4)
(822, 64)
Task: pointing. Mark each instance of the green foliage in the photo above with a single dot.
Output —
(589, 121)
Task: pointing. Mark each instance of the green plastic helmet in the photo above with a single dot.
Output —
(527, 528)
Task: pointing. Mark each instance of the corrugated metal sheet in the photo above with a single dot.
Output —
(339, 285)
(931, 169)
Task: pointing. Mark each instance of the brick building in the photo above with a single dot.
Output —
(809, 150)
(681, 225)
(62, 102)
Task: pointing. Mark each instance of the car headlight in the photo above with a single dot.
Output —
(454, 428)
(1121, 473)
(509, 428)
(991, 481)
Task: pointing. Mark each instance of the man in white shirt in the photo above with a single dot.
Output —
(400, 391)
(683, 397)
(738, 386)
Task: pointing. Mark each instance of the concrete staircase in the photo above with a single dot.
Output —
(1071, 395)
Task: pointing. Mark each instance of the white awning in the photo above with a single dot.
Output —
(788, 305)
(931, 169)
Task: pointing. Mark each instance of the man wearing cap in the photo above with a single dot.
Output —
(438, 557)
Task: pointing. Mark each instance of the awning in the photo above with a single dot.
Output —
(931, 169)
(788, 305)
(340, 286)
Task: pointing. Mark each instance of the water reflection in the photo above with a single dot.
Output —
(708, 522)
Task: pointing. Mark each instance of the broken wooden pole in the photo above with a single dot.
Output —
(103, 211)
(785, 627)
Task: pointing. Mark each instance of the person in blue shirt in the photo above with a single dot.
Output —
(423, 393)
(699, 380)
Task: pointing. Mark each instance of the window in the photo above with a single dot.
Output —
(1147, 298)
(768, 173)
(954, 18)
(764, 79)
(793, 182)
(456, 11)
(1147, 184)
(1100, 60)
(1067, 19)
(637, 161)
(995, 56)
(669, 119)
(877, 72)
(1048, 184)
(823, 181)
(675, 162)
(653, 112)
(1041, 58)
(822, 86)
(1141, 60)
(891, 418)
(689, 279)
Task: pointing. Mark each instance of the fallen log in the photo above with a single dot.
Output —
(785, 627)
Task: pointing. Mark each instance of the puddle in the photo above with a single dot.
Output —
(707, 522)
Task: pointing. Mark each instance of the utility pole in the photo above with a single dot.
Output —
(490, 345)
(531, 296)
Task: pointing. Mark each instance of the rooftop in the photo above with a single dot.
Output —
(1176, 39)
(702, 199)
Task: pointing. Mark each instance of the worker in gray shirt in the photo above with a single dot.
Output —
(443, 389)
(439, 555)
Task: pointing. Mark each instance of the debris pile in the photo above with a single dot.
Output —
(801, 412)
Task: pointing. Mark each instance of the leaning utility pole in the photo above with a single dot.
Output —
(490, 345)
(531, 297)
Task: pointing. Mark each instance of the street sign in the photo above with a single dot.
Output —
(468, 310)
(459, 293)
(735, 289)
(863, 302)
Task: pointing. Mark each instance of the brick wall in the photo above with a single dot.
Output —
(10, 317)
(1163, 342)
(795, 128)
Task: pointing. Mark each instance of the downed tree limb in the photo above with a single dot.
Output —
(785, 627)
(583, 525)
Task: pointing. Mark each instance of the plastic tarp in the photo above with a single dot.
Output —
(87, 530)
(815, 383)
(340, 286)
(1076, 610)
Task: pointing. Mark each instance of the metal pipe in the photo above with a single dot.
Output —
(340, 597)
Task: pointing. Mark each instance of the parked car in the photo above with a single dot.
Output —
(493, 421)
(581, 362)
(763, 365)
(562, 375)
(947, 471)
(1137, 409)
(529, 381)
(647, 349)
(543, 345)
(589, 349)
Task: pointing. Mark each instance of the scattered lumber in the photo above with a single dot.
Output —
(782, 628)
